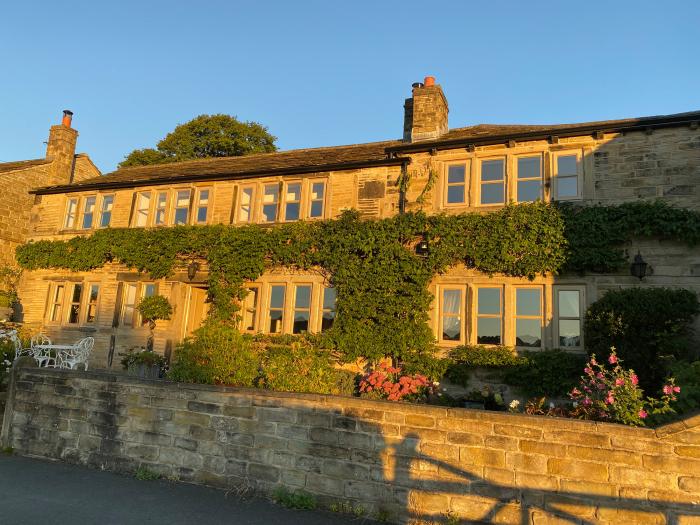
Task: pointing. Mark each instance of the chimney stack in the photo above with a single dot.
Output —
(60, 149)
(425, 113)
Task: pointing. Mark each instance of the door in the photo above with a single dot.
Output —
(197, 309)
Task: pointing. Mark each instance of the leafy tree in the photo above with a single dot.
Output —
(203, 137)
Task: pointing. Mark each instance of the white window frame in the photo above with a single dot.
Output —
(504, 159)
(581, 289)
(103, 211)
(65, 302)
(251, 204)
(514, 317)
(164, 208)
(256, 308)
(139, 211)
(516, 176)
(466, 164)
(276, 203)
(175, 207)
(83, 201)
(322, 310)
(198, 205)
(69, 217)
(139, 293)
(555, 174)
(310, 200)
(295, 309)
(282, 208)
(284, 309)
(475, 313)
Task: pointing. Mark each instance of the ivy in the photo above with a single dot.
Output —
(381, 284)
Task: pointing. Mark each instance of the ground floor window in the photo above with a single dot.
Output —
(568, 305)
(132, 293)
(73, 303)
(489, 316)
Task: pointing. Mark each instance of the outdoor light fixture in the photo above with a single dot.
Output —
(422, 248)
(192, 270)
(639, 267)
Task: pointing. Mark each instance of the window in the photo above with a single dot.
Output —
(245, 204)
(292, 201)
(489, 318)
(452, 313)
(93, 294)
(493, 182)
(129, 304)
(302, 308)
(328, 308)
(529, 183)
(269, 203)
(182, 206)
(276, 313)
(202, 206)
(161, 211)
(89, 212)
(250, 309)
(56, 303)
(528, 317)
(456, 188)
(318, 190)
(106, 211)
(568, 312)
(566, 176)
(143, 205)
(147, 290)
(74, 308)
(71, 213)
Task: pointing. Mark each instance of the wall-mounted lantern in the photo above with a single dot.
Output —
(192, 270)
(639, 267)
(422, 248)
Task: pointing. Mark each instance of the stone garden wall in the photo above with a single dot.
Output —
(404, 461)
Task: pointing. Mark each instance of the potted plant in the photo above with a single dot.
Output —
(152, 309)
(144, 363)
(9, 277)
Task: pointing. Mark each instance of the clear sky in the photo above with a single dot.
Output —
(327, 72)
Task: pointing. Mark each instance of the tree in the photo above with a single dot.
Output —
(203, 137)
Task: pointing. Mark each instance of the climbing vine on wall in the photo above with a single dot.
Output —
(381, 284)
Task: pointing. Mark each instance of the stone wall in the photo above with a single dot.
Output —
(409, 462)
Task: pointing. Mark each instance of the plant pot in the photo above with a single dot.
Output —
(143, 371)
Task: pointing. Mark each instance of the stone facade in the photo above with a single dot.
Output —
(407, 462)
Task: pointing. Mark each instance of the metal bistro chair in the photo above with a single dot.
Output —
(38, 352)
(80, 355)
(16, 343)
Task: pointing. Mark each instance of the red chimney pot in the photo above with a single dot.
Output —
(67, 118)
(429, 81)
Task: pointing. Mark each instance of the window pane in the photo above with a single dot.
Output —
(301, 322)
(203, 206)
(277, 296)
(293, 192)
(489, 301)
(451, 329)
(161, 204)
(528, 167)
(566, 165)
(149, 290)
(275, 321)
(77, 292)
(271, 193)
(181, 216)
(270, 203)
(142, 204)
(202, 214)
(327, 321)
(302, 298)
(451, 302)
(203, 197)
(455, 174)
(251, 307)
(569, 332)
(106, 217)
(291, 212)
(488, 331)
(492, 193)
(569, 303)
(528, 332)
(91, 313)
(183, 199)
(529, 190)
(316, 209)
(527, 301)
(455, 194)
(317, 190)
(74, 313)
(329, 298)
(88, 212)
(94, 291)
(567, 187)
(492, 170)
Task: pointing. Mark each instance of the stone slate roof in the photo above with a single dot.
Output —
(21, 165)
(344, 157)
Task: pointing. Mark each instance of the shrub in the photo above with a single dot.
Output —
(299, 500)
(387, 382)
(687, 376)
(646, 326)
(465, 358)
(427, 364)
(216, 354)
(140, 356)
(549, 373)
(293, 364)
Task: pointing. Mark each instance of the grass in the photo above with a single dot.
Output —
(294, 500)
(8, 450)
(145, 474)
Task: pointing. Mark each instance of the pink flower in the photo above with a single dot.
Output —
(612, 359)
(642, 413)
(676, 389)
(588, 370)
(668, 389)
(587, 401)
(575, 392)
(610, 399)
(600, 375)
(594, 362)
(619, 381)
(634, 379)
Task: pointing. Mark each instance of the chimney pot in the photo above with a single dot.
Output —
(67, 118)
(429, 81)
(417, 85)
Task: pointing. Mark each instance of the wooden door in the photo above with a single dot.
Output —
(197, 309)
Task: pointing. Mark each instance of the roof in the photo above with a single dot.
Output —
(21, 164)
(351, 156)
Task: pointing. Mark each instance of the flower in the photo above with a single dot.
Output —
(588, 370)
(612, 359)
(634, 379)
(619, 381)
(676, 389)
(587, 401)
(642, 413)
(514, 404)
(668, 390)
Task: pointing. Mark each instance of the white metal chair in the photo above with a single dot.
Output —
(12, 336)
(37, 351)
(80, 355)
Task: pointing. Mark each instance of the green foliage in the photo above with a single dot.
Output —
(549, 373)
(427, 364)
(687, 376)
(145, 474)
(488, 356)
(647, 326)
(299, 500)
(9, 278)
(292, 364)
(596, 233)
(216, 354)
(203, 137)
(154, 308)
(134, 358)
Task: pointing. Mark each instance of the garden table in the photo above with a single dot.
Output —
(43, 353)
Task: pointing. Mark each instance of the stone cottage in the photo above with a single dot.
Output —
(477, 168)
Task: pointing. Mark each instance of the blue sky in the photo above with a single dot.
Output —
(326, 73)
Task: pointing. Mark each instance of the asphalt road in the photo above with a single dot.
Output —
(34, 491)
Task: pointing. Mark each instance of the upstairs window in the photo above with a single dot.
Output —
(71, 214)
(106, 211)
(529, 179)
(245, 204)
(269, 202)
(318, 190)
(161, 210)
(141, 209)
(528, 317)
(292, 201)
(456, 187)
(182, 207)
(202, 206)
(489, 316)
(328, 308)
(89, 212)
(567, 183)
(493, 183)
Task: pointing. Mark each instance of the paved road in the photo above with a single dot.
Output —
(41, 492)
